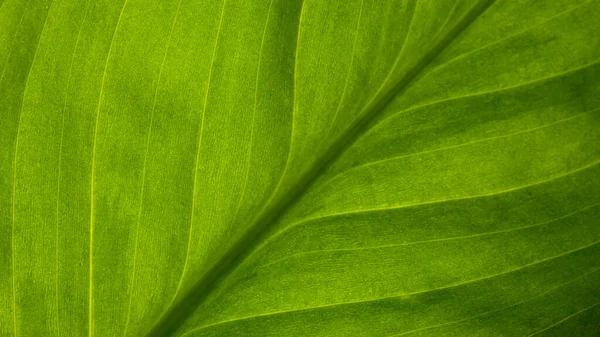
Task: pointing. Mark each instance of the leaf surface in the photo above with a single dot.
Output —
(299, 168)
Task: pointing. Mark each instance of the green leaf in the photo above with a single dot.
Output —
(299, 168)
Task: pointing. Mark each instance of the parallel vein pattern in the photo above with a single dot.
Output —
(299, 168)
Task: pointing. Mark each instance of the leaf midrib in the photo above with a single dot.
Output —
(172, 320)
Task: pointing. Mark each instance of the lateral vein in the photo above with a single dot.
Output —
(62, 130)
(92, 176)
(14, 189)
(412, 243)
(241, 249)
(197, 160)
(383, 209)
(455, 285)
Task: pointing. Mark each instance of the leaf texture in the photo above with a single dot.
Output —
(299, 168)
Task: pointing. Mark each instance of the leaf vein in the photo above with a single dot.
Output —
(241, 249)
(249, 156)
(483, 93)
(317, 251)
(14, 187)
(197, 160)
(455, 285)
(505, 136)
(508, 37)
(418, 204)
(344, 90)
(143, 178)
(565, 319)
(62, 130)
(503, 308)
(92, 176)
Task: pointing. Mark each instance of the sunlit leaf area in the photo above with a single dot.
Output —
(299, 168)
